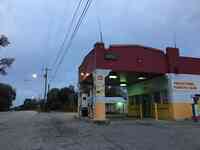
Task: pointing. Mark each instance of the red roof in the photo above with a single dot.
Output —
(136, 58)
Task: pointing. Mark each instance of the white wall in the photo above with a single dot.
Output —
(183, 87)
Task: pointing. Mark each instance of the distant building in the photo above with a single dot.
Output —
(138, 81)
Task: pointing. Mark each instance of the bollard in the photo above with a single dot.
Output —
(156, 111)
(141, 112)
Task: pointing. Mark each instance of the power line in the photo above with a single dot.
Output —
(69, 43)
(73, 35)
(68, 32)
(80, 20)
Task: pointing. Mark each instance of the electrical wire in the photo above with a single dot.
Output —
(68, 32)
(80, 20)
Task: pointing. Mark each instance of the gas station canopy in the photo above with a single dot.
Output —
(137, 59)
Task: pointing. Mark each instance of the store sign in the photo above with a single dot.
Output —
(100, 77)
(100, 85)
(99, 81)
(111, 56)
(184, 85)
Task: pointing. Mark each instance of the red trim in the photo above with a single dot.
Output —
(151, 60)
(195, 117)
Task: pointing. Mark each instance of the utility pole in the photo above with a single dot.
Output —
(46, 82)
(48, 88)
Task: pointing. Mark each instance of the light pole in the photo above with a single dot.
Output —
(33, 77)
(46, 84)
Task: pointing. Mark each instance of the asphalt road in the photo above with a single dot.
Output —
(60, 131)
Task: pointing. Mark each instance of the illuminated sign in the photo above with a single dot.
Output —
(100, 77)
(100, 85)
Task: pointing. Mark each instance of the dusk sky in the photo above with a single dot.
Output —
(36, 29)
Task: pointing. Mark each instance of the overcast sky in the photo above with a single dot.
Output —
(36, 29)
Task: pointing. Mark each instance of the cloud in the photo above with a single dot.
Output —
(36, 29)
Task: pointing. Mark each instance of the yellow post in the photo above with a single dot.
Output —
(156, 111)
(100, 114)
(141, 112)
(99, 94)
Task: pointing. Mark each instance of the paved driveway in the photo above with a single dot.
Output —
(60, 131)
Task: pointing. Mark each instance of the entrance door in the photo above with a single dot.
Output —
(146, 104)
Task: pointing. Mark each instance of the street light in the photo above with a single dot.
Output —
(113, 77)
(34, 75)
(119, 104)
(141, 78)
(123, 84)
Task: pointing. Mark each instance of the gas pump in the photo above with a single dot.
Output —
(196, 108)
(84, 105)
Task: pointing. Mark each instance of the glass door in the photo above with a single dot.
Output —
(146, 104)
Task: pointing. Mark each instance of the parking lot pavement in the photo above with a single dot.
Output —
(61, 131)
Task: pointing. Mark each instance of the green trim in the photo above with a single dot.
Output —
(148, 86)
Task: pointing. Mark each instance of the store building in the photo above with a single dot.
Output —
(138, 81)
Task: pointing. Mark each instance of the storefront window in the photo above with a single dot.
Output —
(131, 100)
(138, 99)
(135, 100)
(115, 91)
(161, 97)
(157, 97)
(164, 96)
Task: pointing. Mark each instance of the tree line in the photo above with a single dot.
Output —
(5, 62)
(7, 96)
(7, 92)
(63, 99)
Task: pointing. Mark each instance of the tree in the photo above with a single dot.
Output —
(62, 99)
(7, 96)
(53, 100)
(65, 95)
(5, 62)
(4, 41)
(68, 98)
(30, 104)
